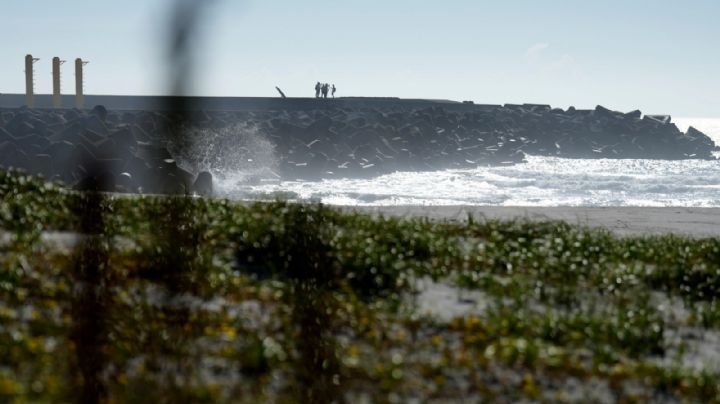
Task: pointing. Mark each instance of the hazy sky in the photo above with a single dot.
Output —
(658, 56)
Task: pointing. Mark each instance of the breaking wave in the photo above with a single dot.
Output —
(237, 154)
(541, 181)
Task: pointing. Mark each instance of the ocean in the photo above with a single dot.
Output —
(541, 181)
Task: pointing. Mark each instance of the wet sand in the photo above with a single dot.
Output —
(623, 221)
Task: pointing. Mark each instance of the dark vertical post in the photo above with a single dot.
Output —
(90, 303)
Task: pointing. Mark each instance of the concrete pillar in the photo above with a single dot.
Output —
(79, 96)
(56, 100)
(29, 80)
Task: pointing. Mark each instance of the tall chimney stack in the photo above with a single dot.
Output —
(79, 96)
(56, 100)
(29, 80)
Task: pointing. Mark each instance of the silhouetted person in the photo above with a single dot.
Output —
(318, 87)
(333, 90)
(325, 89)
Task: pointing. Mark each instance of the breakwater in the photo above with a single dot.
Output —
(155, 150)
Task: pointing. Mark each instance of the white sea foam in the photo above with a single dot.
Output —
(231, 154)
(541, 181)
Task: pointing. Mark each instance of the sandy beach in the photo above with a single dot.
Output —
(623, 221)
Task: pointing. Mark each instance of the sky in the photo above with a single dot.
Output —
(658, 56)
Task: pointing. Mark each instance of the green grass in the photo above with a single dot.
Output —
(174, 299)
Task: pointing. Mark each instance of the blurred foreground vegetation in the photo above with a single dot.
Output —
(175, 299)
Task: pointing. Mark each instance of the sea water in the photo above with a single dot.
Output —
(540, 181)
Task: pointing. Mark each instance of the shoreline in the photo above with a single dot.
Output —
(622, 221)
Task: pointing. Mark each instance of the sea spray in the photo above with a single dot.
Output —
(235, 155)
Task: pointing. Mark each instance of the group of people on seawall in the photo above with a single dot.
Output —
(322, 90)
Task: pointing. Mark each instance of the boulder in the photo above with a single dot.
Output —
(42, 164)
(100, 112)
(169, 183)
(602, 112)
(72, 114)
(60, 151)
(5, 136)
(93, 124)
(152, 153)
(139, 133)
(126, 183)
(12, 156)
(663, 119)
(186, 178)
(31, 142)
(634, 114)
(19, 125)
(123, 137)
(203, 184)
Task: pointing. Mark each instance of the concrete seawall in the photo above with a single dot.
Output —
(161, 103)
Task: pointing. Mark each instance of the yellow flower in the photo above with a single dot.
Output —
(436, 340)
(529, 387)
(229, 332)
